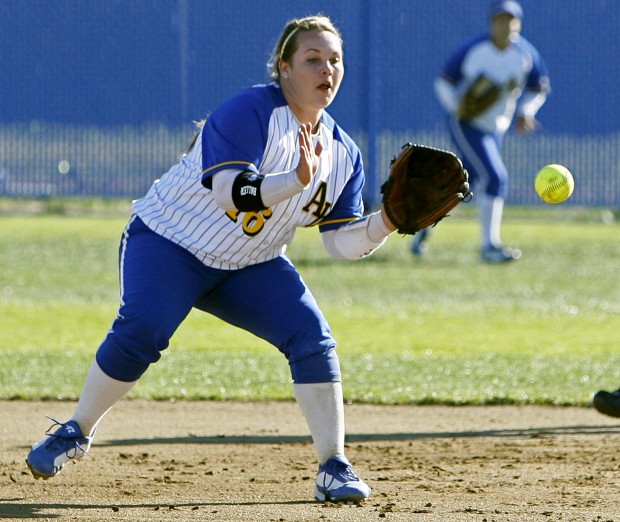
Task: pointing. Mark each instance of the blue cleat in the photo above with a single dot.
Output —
(48, 456)
(419, 245)
(496, 255)
(336, 482)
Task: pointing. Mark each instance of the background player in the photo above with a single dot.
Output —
(212, 234)
(511, 63)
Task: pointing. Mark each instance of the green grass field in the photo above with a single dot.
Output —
(443, 329)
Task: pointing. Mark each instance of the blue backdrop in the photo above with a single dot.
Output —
(98, 96)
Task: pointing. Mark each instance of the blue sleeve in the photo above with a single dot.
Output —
(350, 205)
(538, 79)
(235, 134)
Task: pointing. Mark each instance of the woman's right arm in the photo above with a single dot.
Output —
(233, 185)
(274, 188)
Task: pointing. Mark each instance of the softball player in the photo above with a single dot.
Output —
(212, 234)
(513, 64)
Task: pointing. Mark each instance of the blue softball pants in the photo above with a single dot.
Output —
(480, 152)
(160, 282)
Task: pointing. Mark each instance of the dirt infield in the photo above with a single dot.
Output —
(231, 461)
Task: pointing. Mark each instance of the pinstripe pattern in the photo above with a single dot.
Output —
(179, 208)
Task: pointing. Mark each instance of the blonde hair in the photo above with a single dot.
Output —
(287, 43)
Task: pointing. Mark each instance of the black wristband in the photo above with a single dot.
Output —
(246, 192)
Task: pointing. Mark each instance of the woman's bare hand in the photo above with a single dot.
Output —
(308, 155)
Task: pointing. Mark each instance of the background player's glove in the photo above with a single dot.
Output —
(424, 185)
(479, 97)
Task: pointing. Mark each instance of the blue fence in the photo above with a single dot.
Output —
(98, 96)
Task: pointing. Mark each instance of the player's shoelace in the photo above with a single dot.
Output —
(57, 441)
(342, 471)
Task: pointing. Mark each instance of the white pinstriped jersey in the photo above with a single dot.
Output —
(517, 68)
(254, 131)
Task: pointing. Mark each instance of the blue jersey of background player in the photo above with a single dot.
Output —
(212, 232)
(509, 61)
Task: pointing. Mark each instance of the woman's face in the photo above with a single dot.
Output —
(503, 28)
(311, 79)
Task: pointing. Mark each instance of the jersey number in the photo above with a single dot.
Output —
(253, 222)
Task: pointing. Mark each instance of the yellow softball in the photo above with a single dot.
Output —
(554, 183)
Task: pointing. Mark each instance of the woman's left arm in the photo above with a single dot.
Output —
(358, 238)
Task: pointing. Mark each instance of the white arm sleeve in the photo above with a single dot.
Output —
(274, 188)
(446, 94)
(357, 239)
(280, 187)
(531, 102)
(221, 188)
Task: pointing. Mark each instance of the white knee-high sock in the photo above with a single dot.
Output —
(323, 407)
(491, 209)
(99, 393)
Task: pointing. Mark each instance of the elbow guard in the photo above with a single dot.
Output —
(246, 192)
